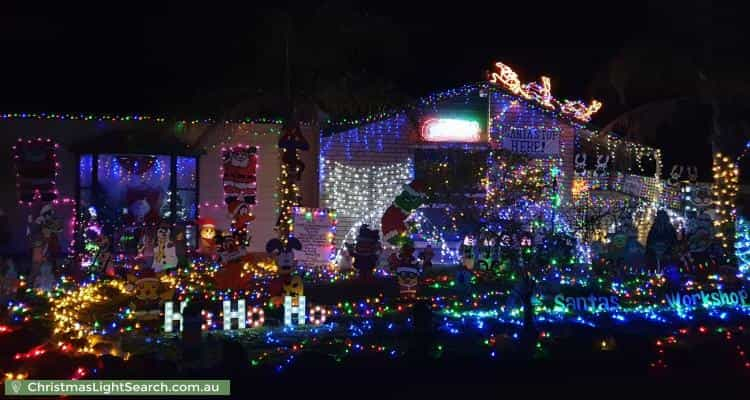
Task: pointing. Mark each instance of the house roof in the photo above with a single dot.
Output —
(136, 141)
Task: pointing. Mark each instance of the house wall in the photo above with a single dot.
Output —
(65, 132)
(265, 136)
(362, 170)
(509, 114)
(208, 137)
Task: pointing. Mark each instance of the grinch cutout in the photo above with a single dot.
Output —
(290, 142)
(36, 167)
(366, 251)
(45, 280)
(206, 237)
(239, 167)
(393, 221)
(165, 253)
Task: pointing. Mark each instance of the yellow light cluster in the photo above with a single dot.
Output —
(288, 195)
(542, 94)
(725, 188)
(68, 308)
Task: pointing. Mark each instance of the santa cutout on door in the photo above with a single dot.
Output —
(239, 165)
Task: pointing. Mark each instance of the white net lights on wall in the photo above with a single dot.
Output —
(360, 195)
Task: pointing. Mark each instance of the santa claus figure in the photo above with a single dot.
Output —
(165, 253)
(207, 237)
(35, 163)
(239, 165)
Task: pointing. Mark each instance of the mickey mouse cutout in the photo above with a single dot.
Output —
(284, 256)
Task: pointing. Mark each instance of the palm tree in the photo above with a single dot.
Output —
(329, 60)
(689, 80)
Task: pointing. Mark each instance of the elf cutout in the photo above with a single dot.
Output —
(242, 218)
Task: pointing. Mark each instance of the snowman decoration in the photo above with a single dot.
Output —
(165, 253)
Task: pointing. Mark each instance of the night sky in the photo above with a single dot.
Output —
(196, 61)
(160, 58)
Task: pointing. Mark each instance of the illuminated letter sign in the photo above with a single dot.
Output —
(289, 310)
(450, 130)
(170, 316)
(229, 315)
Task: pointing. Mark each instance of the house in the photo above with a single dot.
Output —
(142, 170)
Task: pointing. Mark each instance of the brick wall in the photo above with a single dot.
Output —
(378, 147)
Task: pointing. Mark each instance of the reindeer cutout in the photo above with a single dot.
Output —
(674, 175)
(580, 165)
(692, 174)
(601, 165)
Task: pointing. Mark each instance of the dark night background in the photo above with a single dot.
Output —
(351, 58)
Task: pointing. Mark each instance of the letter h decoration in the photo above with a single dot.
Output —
(290, 309)
(170, 316)
(240, 314)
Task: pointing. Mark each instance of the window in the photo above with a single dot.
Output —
(132, 193)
